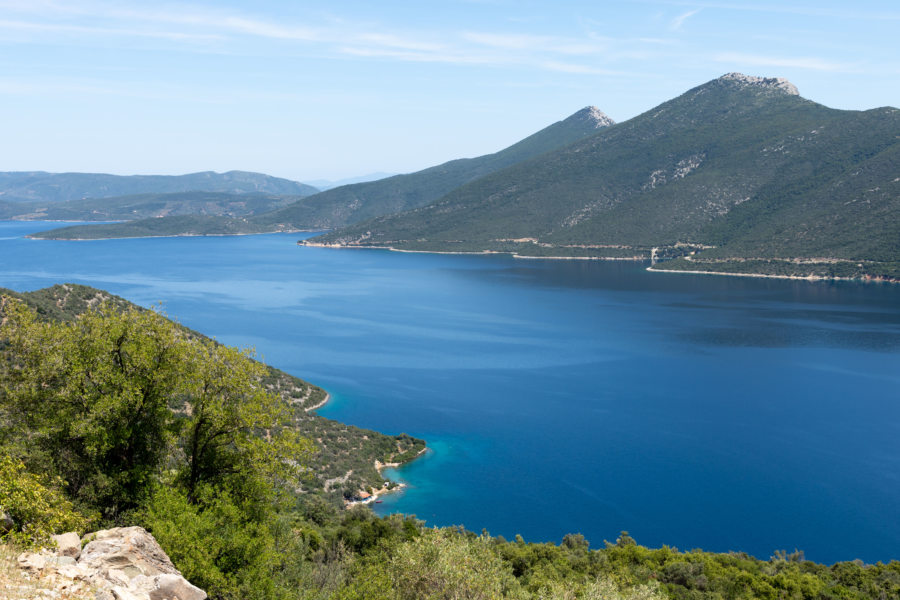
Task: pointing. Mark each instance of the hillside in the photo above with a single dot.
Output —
(740, 163)
(357, 202)
(19, 186)
(185, 225)
(145, 206)
(345, 452)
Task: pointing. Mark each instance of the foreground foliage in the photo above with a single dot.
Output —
(35, 505)
(343, 452)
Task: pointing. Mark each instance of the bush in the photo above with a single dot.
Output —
(35, 506)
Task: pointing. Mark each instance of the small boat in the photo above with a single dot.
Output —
(379, 501)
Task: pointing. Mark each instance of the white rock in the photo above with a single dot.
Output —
(128, 549)
(167, 587)
(777, 83)
(68, 544)
(29, 561)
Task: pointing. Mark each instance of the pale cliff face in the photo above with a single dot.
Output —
(598, 117)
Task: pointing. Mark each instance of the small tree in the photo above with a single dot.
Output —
(231, 426)
(106, 399)
(93, 396)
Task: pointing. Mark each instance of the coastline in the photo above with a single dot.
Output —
(473, 253)
(383, 490)
(873, 279)
(320, 404)
(174, 235)
(769, 276)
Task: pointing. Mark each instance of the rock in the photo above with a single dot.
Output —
(167, 587)
(771, 83)
(60, 561)
(68, 544)
(29, 561)
(130, 550)
(124, 563)
(6, 522)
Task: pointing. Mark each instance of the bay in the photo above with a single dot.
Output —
(560, 396)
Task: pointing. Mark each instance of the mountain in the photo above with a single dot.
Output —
(143, 206)
(327, 184)
(740, 174)
(354, 203)
(58, 187)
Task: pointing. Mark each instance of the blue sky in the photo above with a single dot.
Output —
(326, 90)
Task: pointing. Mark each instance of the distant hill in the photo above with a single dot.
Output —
(59, 187)
(327, 184)
(184, 225)
(740, 174)
(143, 206)
(354, 203)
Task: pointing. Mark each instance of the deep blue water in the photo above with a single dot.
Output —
(561, 396)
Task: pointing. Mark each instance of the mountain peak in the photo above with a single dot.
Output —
(769, 83)
(594, 116)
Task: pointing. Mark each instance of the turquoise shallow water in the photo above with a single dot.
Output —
(561, 396)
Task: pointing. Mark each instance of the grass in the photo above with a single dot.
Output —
(16, 584)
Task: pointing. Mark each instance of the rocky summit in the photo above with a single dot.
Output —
(772, 83)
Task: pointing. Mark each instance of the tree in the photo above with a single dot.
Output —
(108, 399)
(232, 426)
(93, 397)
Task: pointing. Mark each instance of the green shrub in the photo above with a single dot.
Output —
(35, 506)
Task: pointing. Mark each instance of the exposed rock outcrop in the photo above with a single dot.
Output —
(68, 544)
(772, 83)
(124, 563)
(597, 117)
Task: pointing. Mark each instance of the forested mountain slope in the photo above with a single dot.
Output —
(740, 163)
(353, 203)
(145, 206)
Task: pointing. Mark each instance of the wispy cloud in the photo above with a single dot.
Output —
(856, 13)
(222, 29)
(31, 27)
(678, 21)
(799, 62)
(563, 67)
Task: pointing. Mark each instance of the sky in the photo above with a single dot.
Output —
(312, 90)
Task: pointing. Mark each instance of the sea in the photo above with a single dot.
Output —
(560, 396)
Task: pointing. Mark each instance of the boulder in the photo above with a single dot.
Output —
(124, 563)
(68, 544)
(167, 587)
(32, 562)
(134, 567)
(60, 561)
(6, 522)
(128, 549)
